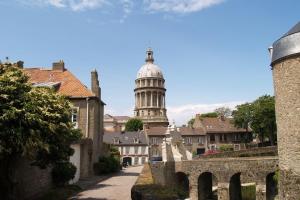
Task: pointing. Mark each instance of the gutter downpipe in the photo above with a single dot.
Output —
(87, 118)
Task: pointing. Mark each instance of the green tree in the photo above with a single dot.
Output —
(210, 114)
(223, 111)
(134, 124)
(191, 122)
(243, 116)
(264, 120)
(259, 115)
(34, 123)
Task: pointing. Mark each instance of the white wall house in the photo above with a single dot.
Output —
(133, 146)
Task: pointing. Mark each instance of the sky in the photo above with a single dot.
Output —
(212, 53)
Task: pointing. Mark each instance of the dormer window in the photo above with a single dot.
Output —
(116, 140)
(135, 140)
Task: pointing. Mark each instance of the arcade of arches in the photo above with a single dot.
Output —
(209, 188)
(220, 178)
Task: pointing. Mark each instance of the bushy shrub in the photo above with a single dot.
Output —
(62, 173)
(226, 147)
(107, 164)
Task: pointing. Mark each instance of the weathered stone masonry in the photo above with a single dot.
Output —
(286, 75)
(254, 169)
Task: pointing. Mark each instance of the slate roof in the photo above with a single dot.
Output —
(294, 29)
(68, 85)
(184, 131)
(126, 138)
(156, 131)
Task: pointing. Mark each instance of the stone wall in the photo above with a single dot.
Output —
(250, 170)
(286, 75)
(31, 181)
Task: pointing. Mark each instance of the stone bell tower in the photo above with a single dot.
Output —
(285, 54)
(150, 94)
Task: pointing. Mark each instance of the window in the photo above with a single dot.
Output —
(116, 140)
(221, 137)
(212, 138)
(143, 160)
(136, 160)
(212, 147)
(127, 150)
(74, 117)
(189, 140)
(135, 140)
(154, 140)
(225, 137)
(136, 149)
(143, 150)
(200, 140)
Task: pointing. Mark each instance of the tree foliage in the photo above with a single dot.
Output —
(223, 111)
(134, 124)
(191, 122)
(259, 115)
(34, 123)
(210, 114)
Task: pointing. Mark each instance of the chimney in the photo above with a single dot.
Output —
(95, 84)
(20, 64)
(59, 66)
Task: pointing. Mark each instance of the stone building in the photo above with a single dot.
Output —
(115, 123)
(285, 56)
(221, 131)
(132, 146)
(87, 112)
(150, 94)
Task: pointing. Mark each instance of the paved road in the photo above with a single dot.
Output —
(117, 187)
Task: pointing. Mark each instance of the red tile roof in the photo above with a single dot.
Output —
(69, 85)
(218, 125)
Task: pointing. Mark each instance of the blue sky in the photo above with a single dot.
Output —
(212, 52)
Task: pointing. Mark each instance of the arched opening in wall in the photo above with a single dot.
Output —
(127, 161)
(271, 186)
(235, 189)
(207, 186)
(182, 182)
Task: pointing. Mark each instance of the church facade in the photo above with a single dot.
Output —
(150, 94)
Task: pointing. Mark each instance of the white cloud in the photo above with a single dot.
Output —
(127, 9)
(79, 5)
(181, 114)
(57, 3)
(180, 6)
(75, 5)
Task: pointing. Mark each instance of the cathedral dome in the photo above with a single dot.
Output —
(149, 69)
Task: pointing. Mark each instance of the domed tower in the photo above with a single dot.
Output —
(150, 94)
(285, 55)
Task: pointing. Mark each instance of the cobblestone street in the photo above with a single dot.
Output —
(117, 187)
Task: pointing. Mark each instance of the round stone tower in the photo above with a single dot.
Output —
(150, 94)
(285, 54)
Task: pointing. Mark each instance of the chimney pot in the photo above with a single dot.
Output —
(60, 65)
